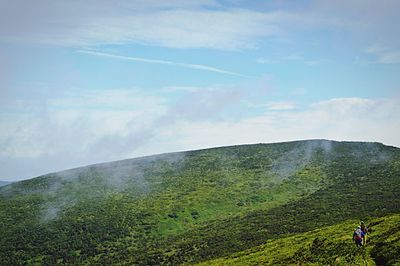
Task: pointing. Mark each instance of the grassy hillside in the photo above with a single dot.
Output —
(331, 245)
(194, 206)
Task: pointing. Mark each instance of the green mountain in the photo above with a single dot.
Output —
(202, 205)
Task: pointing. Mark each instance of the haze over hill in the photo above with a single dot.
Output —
(3, 183)
(197, 205)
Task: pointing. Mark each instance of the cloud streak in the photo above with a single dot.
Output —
(384, 54)
(186, 24)
(164, 62)
(178, 25)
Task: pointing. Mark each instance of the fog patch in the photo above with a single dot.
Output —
(133, 176)
(52, 209)
(373, 153)
(298, 157)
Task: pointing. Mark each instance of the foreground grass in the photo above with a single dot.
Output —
(327, 246)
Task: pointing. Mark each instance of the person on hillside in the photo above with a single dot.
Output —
(358, 236)
(364, 229)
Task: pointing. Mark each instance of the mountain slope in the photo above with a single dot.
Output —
(194, 206)
(330, 245)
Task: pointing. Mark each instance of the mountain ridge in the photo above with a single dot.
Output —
(152, 156)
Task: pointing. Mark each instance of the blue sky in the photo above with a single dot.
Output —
(84, 82)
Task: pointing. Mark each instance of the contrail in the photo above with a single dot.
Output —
(164, 62)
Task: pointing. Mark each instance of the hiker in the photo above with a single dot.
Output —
(364, 229)
(358, 236)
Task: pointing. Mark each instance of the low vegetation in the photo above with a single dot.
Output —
(200, 205)
(331, 245)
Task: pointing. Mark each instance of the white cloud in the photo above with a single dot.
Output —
(384, 54)
(84, 127)
(299, 91)
(316, 62)
(178, 25)
(186, 24)
(72, 136)
(262, 60)
(77, 121)
(274, 106)
(265, 60)
(338, 119)
(278, 106)
(116, 99)
(174, 89)
(389, 57)
(291, 58)
(344, 105)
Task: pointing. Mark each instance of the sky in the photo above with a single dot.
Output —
(87, 81)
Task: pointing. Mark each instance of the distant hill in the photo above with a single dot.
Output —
(3, 183)
(196, 206)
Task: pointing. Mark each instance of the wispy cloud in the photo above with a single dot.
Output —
(180, 24)
(293, 57)
(296, 58)
(274, 106)
(392, 57)
(180, 89)
(263, 60)
(384, 54)
(85, 127)
(185, 24)
(340, 119)
(279, 106)
(164, 62)
(65, 138)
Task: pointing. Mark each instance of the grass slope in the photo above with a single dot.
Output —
(194, 206)
(330, 245)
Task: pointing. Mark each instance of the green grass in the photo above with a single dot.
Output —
(331, 245)
(195, 206)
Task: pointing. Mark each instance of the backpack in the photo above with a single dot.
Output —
(358, 235)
